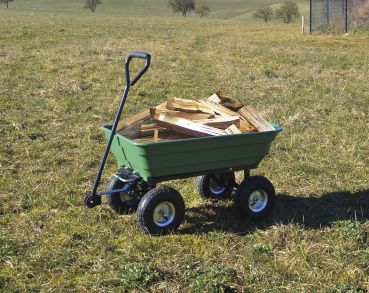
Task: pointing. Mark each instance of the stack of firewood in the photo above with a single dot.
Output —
(180, 118)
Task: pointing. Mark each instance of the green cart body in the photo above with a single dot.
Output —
(164, 160)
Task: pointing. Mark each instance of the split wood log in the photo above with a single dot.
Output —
(214, 98)
(221, 122)
(148, 129)
(233, 130)
(186, 126)
(138, 118)
(246, 126)
(187, 106)
(186, 115)
(218, 109)
(250, 114)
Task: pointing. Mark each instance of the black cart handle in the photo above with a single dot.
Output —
(94, 199)
(139, 55)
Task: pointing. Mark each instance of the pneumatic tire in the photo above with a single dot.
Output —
(255, 197)
(215, 186)
(160, 211)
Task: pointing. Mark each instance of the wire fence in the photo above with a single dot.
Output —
(329, 16)
(338, 16)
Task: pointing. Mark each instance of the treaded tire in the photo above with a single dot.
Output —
(255, 197)
(207, 187)
(149, 209)
(115, 201)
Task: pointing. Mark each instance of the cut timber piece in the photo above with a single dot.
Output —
(156, 135)
(186, 126)
(214, 98)
(186, 115)
(138, 118)
(250, 114)
(188, 106)
(233, 130)
(228, 102)
(221, 122)
(245, 126)
(162, 137)
(149, 129)
(222, 111)
(131, 131)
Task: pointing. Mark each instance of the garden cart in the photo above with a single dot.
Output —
(213, 159)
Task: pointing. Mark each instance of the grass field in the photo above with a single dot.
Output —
(61, 79)
(220, 9)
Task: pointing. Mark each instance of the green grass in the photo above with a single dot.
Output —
(61, 79)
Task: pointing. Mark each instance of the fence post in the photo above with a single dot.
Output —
(311, 16)
(302, 25)
(346, 18)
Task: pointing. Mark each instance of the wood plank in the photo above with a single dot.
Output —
(229, 103)
(186, 126)
(188, 106)
(218, 109)
(148, 129)
(214, 98)
(221, 122)
(156, 134)
(233, 130)
(162, 137)
(246, 126)
(186, 115)
(140, 117)
(251, 115)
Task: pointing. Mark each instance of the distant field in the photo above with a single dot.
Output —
(61, 79)
(232, 9)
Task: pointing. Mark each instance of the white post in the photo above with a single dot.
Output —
(302, 25)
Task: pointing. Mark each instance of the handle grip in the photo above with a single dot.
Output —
(139, 55)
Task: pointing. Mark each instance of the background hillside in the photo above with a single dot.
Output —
(221, 9)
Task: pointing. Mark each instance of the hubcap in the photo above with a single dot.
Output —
(258, 200)
(215, 188)
(164, 214)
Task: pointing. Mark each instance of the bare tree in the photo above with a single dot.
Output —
(265, 13)
(6, 2)
(92, 4)
(204, 10)
(359, 14)
(182, 6)
(288, 12)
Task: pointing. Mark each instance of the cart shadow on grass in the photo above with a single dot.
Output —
(310, 212)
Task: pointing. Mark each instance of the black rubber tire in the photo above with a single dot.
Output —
(245, 190)
(146, 208)
(203, 185)
(115, 201)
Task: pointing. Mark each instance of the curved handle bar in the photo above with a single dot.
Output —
(140, 55)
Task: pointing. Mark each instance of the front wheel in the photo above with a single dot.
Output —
(122, 202)
(255, 197)
(160, 211)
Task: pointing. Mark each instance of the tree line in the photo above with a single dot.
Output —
(286, 13)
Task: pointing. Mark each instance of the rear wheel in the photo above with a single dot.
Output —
(215, 185)
(255, 197)
(160, 211)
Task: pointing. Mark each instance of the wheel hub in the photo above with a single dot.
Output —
(164, 214)
(216, 188)
(258, 200)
